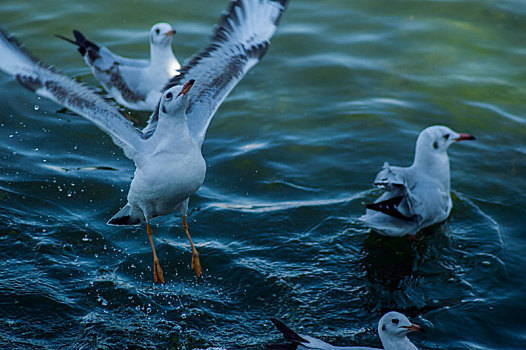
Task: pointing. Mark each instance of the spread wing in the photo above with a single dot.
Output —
(49, 83)
(239, 42)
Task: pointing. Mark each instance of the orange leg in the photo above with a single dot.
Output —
(157, 271)
(196, 264)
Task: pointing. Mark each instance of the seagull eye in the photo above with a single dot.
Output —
(157, 31)
(446, 136)
(169, 96)
(395, 321)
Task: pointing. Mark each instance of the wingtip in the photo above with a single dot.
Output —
(66, 39)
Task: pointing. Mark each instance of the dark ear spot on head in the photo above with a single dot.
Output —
(383, 327)
(435, 145)
(163, 109)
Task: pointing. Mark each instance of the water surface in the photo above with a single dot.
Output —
(292, 154)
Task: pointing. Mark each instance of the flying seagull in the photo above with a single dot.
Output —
(392, 329)
(134, 83)
(239, 42)
(419, 195)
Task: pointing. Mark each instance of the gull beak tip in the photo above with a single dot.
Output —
(414, 328)
(170, 33)
(187, 87)
(465, 137)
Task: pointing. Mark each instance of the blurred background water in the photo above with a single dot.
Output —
(292, 154)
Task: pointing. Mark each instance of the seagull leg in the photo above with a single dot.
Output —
(157, 271)
(196, 264)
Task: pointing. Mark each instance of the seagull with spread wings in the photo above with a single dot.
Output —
(167, 152)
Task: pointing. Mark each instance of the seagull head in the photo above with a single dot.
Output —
(175, 100)
(161, 34)
(434, 141)
(395, 326)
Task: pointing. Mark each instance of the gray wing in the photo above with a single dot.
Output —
(47, 82)
(239, 42)
(398, 201)
(391, 179)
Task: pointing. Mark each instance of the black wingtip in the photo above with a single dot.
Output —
(86, 46)
(288, 333)
(389, 207)
(66, 39)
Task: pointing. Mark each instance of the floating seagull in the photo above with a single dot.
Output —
(417, 196)
(167, 152)
(134, 83)
(392, 329)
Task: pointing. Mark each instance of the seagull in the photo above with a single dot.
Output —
(419, 195)
(392, 329)
(167, 152)
(134, 83)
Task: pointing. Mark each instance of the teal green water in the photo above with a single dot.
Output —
(292, 154)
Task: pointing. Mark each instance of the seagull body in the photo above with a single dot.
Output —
(392, 329)
(167, 152)
(134, 83)
(417, 196)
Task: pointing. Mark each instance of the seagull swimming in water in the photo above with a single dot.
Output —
(392, 329)
(134, 83)
(167, 152)
(419, 195)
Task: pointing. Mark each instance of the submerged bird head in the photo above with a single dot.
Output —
(161, 34)
(433, 142)
(175, 100)
(394, 326)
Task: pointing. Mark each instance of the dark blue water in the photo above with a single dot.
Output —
(292, 154)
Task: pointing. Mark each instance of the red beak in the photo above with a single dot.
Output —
(465, 137)
(413, 328)
(187, 87)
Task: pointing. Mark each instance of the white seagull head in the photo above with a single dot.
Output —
(175, 100)
(161, 34)
(393, 328)
(434, 141)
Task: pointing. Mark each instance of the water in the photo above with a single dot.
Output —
(292, 153)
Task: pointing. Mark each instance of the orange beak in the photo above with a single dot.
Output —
(171, 32)
(465, 137)
(413, 328)
(187, 87)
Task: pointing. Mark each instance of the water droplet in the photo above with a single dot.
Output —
(69, 193)
(37, 107)
(103, 301)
